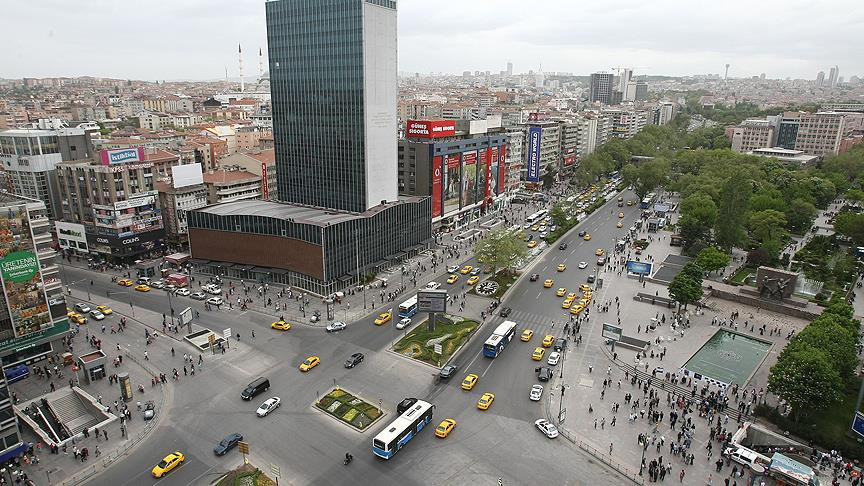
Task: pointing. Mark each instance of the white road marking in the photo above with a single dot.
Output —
(538, 294)
(474, 359)
(487, 368)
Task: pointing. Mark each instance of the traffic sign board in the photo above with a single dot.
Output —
(432, 300)
(243, 447)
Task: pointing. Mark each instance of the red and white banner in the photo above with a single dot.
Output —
(470, 157)
(430, 128)
(452, 161)
(502, 169)
(437, 178)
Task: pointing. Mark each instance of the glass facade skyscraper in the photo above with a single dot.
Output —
(334, 96)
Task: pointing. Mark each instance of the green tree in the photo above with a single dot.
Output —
(768, 226)
(500, 249)
(851, 225)
(828, 336)
(805, 379)
(823, 191)
(559, 215)
(732, 211)
(711, 259)
(698, 215)
(686, 287)
(799, 215)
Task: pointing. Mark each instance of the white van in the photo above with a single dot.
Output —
(745, 456)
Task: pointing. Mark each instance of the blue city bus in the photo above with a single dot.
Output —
(499, 339)
(402, 429)
(409, 307)
(16, 373)
(647, 201)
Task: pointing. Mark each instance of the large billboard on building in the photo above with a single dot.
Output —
(430, 128)
(492, 182)
(437, 179)
(486, 164)
(71, 236)
(534, 133)
(502, 169)
(21, 276)
(452, 182)
(469, 177)
(120, 156)
(191, 174)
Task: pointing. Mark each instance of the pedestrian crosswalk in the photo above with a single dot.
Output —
(539, 323)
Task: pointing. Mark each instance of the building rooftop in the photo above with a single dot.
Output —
(296, 213)
(228, 176)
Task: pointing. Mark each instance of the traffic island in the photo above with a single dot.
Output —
(450, 333)
(246, 475)
(349, 409)
(500, 282)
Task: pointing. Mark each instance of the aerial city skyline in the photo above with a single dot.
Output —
(273, 242)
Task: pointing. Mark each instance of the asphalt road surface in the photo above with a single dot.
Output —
(309, 446)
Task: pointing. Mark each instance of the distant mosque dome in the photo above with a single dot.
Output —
(263, 82)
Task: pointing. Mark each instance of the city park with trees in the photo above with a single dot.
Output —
(756, 204)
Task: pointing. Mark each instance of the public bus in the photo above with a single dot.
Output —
(403, 429)
(536, 217)
(647, 201)
(409, 307)
(499, 339)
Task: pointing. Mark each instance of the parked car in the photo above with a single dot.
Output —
(354, 360)
(548, 428)
(536, 392)
(149, 410)
(544, 373)
(447, 371)
(335, 326)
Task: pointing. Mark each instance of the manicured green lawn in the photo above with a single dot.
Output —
(348, 408)
(450, 332)
(242, 476)
(741, 275)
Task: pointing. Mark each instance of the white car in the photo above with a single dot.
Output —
(213, 290)
(542, 228)
(217, 301)
(184, 292)
(403, 323)
(453, 268)
(583, 264)
(198, 295)
(433, 285)
(268, 406)
(527, 225)
(335, 326)
(82, 308)
(536, 393)
(547, 428)
(158, 284)
(169, 287)
(95, 314)
(543, 234)
(554, 357)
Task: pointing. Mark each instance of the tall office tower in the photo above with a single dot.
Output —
(509, 68)
(726, 76)
(601, 88)
(820, 78)
(333, 83)
(624, 77)
(832, 77)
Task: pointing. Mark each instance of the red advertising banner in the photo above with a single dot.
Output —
(502, 169)
(265, 190)
(430, 128)
(470, 158)
(569, 160)
(452, 161)
(437, 178)
(490, 156)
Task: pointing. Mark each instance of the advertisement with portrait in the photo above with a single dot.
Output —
(469, 178)
(22, 280)
(534, 133)
(437, 179)
(502, 169)
(452, 182)
(482, 174)
(492, 181)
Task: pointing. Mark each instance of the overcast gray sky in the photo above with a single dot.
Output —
(197, 39)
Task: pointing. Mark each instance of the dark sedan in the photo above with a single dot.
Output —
(505, 311)
(535, 277)
(228, 443)
(354, 360)
(562, 246)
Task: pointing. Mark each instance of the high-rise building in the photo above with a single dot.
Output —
(787, 130)
(601, 88)
(820, 78)
(820, 133)
(752, 134)
(832, 76)
(334, 103)
(509, 68)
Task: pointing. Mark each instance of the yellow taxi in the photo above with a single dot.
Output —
(473, 280)
(538, 353)
(77, 318)
(572, 296)
(576, 309)
(620, 215)
(104, 309)
(469, 381)
(532, 243)
(466, 269)
(562, 267)
(445, 427)
(168, 463)
(142, 288)
(585, 288)
(548, 283)
(527, 334)
(281, 325)
(452, 279)
(383, 318)
(566, 304)
(619, 224)
(485, 401)
(587, 237)
(561, 291)
(311, 362)
(124, 282)
(535, 227)
(599, 252)
(548, 340)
